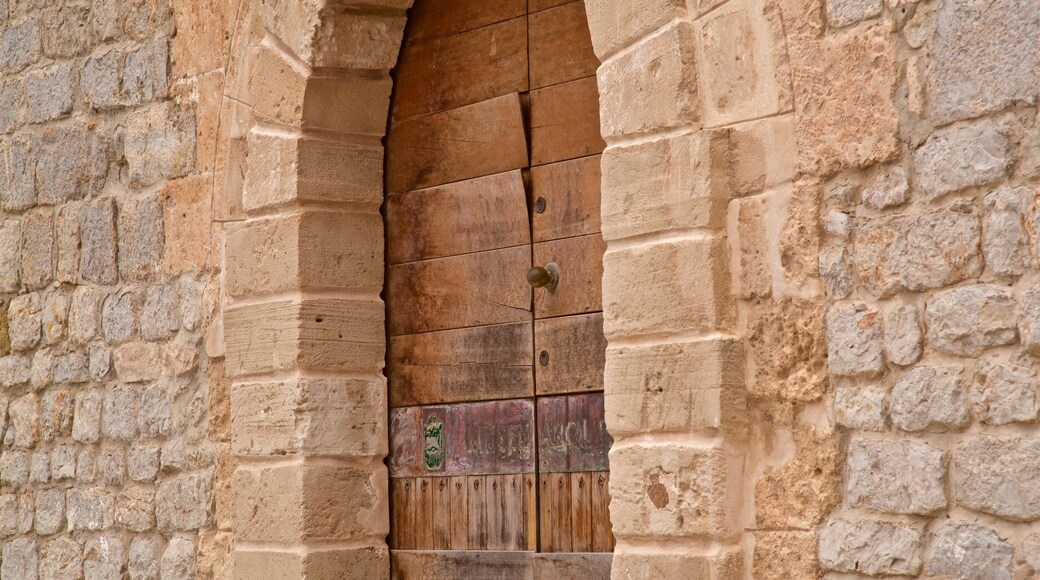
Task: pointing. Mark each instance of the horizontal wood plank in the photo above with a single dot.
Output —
(574, 356)
(460, 291)
(572, 434)
(536, 5)
(465, 364)
(472, 141)
(570, 192)
(561, 46)
(486, 213)
(564, 122)
(431, 19)
(464, 439)
(500, 565)
(580, 289)
(462, 69)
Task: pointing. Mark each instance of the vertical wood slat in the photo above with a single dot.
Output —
(442, 514)
(459, 500)
(424, 499)
(403, 499)
(581, 511)
(602, 533)
(476, 508)
(530, 483)
(495, 492)
(555, 519)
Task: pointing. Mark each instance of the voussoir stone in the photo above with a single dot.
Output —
(930, 397)
(970, 552)
(955, 158)
(870, 547)
(999, 476)
(904, 477)
(854, 340)
(918, 252)
(967, 320)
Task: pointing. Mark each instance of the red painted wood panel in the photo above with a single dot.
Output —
(572, 434)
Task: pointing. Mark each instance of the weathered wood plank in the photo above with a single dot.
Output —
(561, 46)
(424, 500)
(571, 194)
(460, 291)
(466, 364)
(496, 491)
(536, 5)
(464, 439)
(442, 515)
(580, 290)
(581, 511)
(530, 483)
(431, 19)
(514, 532)
(462, 69)
(555, 520)
(602, 533)
(486, 213)
(403, 500)
(487, 565)
(572, 434)
(459, 539)
(472, 141)
(575, 352)
(476, 507)
(565, 122)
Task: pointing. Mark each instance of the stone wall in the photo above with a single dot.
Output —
(114, 416)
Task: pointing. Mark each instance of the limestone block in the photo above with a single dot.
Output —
(38, 248)
(14, 468)
(119, 313)
(67, 243)
(283, 170)
(871, 547)
(367, 562)
(73, 163)
(100, 79)
(928, 397)
(345, 417)
(8, 515)
(959, 157)
(202, 39)
(275, 86)
(141, 237)
(50, 510)
(160, 318)
(86, 422)
(111, 465)
(305, 250)
(965, 321)
(323, 334)
(142, 463)
(614, 24)
(1005, 240)
(1005, 392)
(135, 508)
(757, 253)
(845, 12)
(367, 116)
(155, 417)
(54, 317)
(10, 254)
(178, 560)
(63, 462)
(740, 72)
(39, 468)
(137, 362)
(843, 93)
(652, 86)
(14, 370)
(12, 92)
(971, 552)
(42, 368)
(56, 413)
(49, 92)
(801, 491)
(682, 387)
(67, 31)
(71, 368)
(104, 556)
(860, 406)
(159, 143)
(999, 476)
(19, 559)
(854, 346)
(902, 330)
(788, 350)
(726, 564)
(886, 186)
(357, 40)
(20, 45)
(1031, 548)
(982, 58)
(672, 490)
(25, 420)
(18, 171)
(904, 477)
(187, 212)
(667, 184)
(126, 76)
(1028, 314)
(89, 509)
(666, 287)
(119, 415)
(184, 503)
(60, 558)
(752, 169)
(836, 272)
(145, 557)
(98, 242)
(86, 465)
(780, 555)
(303, 502)
(919, 252)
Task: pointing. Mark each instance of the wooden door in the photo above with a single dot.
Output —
(498, 443)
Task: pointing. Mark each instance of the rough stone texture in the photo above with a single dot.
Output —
(140, 237)
(854, 345)
(960, 157)
(1005, 391)
(886, 187)
(799, 493)
(982, 58)
(1005, 239)
(19, 559)
(870, 547)
(930, 398)
(845, 12)
(98, 242)
(970, 552)
(918, 252)
(60, 559)
(160, 144)
(1000, 476)
(905, 477)
(860, 407)
(965, 321)
(902, 330)
(145, 558)
(787, 345)
(1029, 317)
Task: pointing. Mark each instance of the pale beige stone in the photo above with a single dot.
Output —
(614, 24)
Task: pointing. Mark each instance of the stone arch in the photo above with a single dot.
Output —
(298, 191)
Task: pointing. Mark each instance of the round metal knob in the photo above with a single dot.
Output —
(547, 277)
